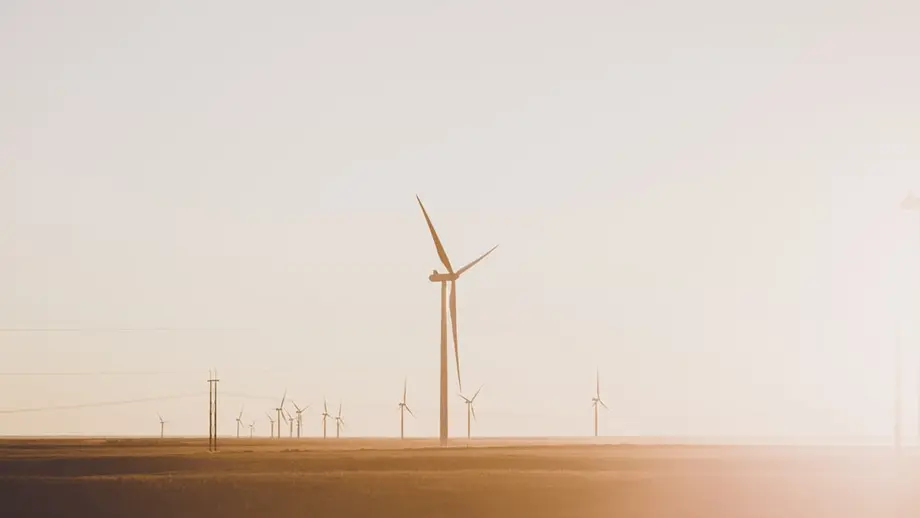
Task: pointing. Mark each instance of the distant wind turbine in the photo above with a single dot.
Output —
(451, 276)
(279, 409)
(325, 416)
(596, 400)
(162, 424)
(470, 410)
(239, 423)
(299, 411)
(252, 428)
(403, 408)
(290, 422)
(272, 421)
(339, 422)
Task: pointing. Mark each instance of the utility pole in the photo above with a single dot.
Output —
(212, 410)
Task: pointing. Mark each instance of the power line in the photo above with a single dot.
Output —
(95, 373)
(120, 373)
(120, 329)
(96, 405)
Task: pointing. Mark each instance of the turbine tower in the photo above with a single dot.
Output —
(162, 424)
(403, 408)
(470, 410)
(280, 415)
(451, 276)
(252, 428)
(911, 204)
(239, 423)
(596, 400)
(299, 411)
(290, 422)
(272, 421)
(339, 422)
(325, 415)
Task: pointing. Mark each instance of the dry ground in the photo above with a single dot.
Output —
(387, 478)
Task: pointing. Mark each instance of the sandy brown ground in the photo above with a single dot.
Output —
(388, 478)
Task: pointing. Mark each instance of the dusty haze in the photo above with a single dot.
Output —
(700, 200)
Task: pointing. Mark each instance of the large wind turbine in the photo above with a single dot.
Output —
(470, 411)
(339, 422)
(451, 276)
(279, 409)
(299, 411)
(596, 400)
(403, 408)
(325, 415)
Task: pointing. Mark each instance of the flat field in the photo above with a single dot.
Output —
(139, 478)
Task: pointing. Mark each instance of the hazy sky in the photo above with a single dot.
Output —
(698, 198)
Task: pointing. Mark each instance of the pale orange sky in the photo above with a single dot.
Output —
(700, 200)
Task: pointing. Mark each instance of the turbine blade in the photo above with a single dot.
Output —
(597, 380)
(405, 382)
(472, 264)
(473, 411)
(603, 404)
(340, 410)
(325, 407)
(463, 398)
(295, 405)
(437, 242)
(282, 399)
(453, 326)
(409, 410)
(476, 394)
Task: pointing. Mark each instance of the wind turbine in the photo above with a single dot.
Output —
(162, 423)
(451, 276)
(470, 410)
(339, 422)
(299, 411)
(252, 428)
(325, 415)
(239, 423)
(280, 415)
(403, 408)
(290, 421)
(272, 421)
(596, 400)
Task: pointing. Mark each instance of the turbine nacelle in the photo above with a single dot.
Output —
(442, 277)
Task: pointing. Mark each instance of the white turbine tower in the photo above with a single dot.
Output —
(339, 422)
(279, 410)
(470, 410)
(450, 277)
(272, 421)
(911, 204)
(403, 408)
(596, 400)
(299, 412)
(162, 424)
(325, 416)
(239, 423)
